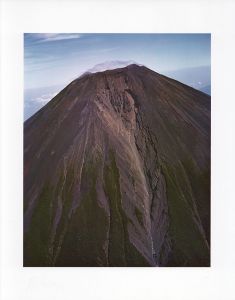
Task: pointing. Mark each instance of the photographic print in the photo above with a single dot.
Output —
(117, 150)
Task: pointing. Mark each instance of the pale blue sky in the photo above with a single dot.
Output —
(56, 59)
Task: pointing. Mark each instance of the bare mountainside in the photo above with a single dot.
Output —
(117, 173)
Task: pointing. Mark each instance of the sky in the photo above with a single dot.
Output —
(54, 59)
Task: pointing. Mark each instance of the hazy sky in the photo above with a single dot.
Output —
(55, 59)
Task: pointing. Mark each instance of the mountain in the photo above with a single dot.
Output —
(117, 173)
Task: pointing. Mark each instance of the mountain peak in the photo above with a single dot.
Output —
(111, 65)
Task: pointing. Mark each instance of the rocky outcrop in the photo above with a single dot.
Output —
(117, 173)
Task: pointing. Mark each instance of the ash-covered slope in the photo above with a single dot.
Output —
(117, 173)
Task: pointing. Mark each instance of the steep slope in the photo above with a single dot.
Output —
(117, 173)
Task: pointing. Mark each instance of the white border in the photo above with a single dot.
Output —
(216, 17)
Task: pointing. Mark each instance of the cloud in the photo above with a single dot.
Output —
(44, 98)
(51, 37)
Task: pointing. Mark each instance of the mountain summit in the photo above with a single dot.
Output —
(110, 65)
(117, 173)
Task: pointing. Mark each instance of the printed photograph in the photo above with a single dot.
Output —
(117, 150)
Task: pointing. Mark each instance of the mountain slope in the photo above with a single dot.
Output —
(117, 173)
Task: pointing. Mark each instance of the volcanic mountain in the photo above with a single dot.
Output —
(117, 173)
